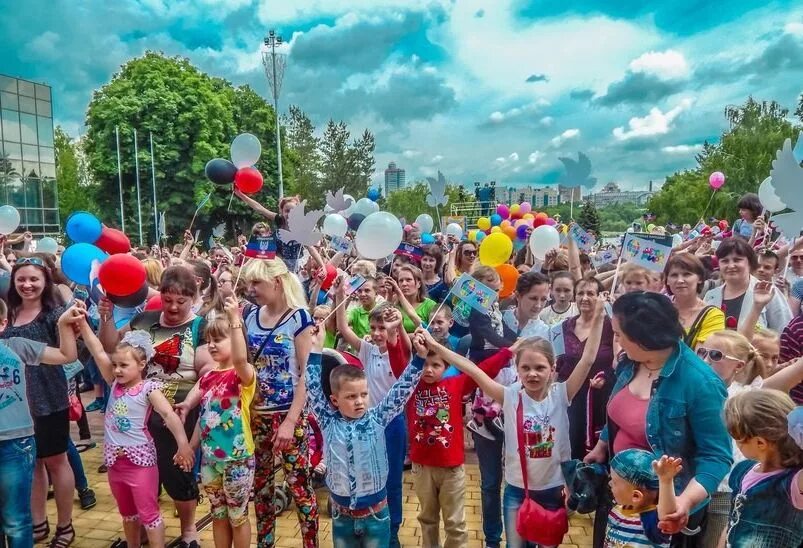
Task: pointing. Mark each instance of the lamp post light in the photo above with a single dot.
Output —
(274, 64)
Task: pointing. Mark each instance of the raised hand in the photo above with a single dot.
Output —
(762, 293)
(667, 467)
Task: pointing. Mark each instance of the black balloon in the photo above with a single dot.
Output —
(220, 171)
(355, 220)
(133, 300)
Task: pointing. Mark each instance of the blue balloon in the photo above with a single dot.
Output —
(374, 194)
(496, 219)
(427, 238)
(76, 262)
(83, 227)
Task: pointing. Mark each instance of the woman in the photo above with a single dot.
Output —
(411, 297)
(181, 358)
(667, 401)
(153, 273)
(227, 276)
(279, 333)
(461, 261)
(735, 296)
(34, 306)
(685, 276)
(291, 252)
(431, 268)
(587, 410)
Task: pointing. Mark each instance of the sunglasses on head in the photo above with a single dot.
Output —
(715, 355)
(36, 261)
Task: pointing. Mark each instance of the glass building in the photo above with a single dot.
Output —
(27, 157)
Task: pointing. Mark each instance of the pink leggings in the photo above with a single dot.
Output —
(136, 490)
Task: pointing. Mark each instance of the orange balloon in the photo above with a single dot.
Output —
(509, 276)
(509, 231)
(505, 224)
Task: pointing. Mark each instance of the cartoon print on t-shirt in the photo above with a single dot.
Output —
(274, 378)
(539, 437)
(432, 417)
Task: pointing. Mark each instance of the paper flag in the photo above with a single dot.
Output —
(643, 252)
(261, 247)
(787, 179)
(341, 245)
(302, 227)
(410, 251)
(604, 257)
(584, 240)
(477, 295)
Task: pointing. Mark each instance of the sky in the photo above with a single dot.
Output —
(478, 89)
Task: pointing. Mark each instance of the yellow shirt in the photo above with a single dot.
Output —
(713, 321)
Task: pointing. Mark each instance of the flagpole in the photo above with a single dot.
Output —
(119, 178)
(139, 199)
(618, 264)
(153, 183)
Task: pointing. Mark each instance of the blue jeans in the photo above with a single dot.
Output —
(551, 499)
(396, 442)
(17, 458)
(372, 531)
(489, 455)
(77, 466)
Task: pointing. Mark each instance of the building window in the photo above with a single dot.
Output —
(28, 104)
(8, 84)
(42, 92)
(43, 108)
(26, 88)
(45, 130)
(28, 128)
(11, 125)
(9, 100)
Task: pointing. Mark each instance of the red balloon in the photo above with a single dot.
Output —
(540, 219)
(122, 275)
(248, 180)
(113, 241)
(154, 303)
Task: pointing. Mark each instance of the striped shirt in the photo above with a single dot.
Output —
(626, 530)
(791, 348)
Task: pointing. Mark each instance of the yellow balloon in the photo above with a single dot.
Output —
(495, 249)
(514, 209)
(528, 216)
(483, 223)
(496, 229)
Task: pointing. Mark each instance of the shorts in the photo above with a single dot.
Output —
(52, 434)
(229, 485)
(136, 491)
(180, 485)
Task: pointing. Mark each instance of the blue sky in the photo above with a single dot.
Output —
(479, 89)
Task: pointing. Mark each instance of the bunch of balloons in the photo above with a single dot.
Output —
(511, 225)
(245, 152)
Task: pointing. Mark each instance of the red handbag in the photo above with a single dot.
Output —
(534, 522)
(75, 408)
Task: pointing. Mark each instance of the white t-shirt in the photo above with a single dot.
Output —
(550, 317)
(546, 436)
(534, 328)
(377, 371)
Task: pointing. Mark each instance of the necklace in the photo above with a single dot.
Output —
(651, 372)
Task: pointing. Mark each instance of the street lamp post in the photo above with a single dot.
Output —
(274, 64)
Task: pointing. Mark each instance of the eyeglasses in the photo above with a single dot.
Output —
(715, 355)
(470, 252)
(796, 257)
(36, 261)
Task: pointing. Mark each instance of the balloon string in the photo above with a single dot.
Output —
(228, 210)
(707, 205)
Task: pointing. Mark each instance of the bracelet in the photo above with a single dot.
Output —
(236, 325)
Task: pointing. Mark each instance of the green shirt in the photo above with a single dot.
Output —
(358, 320)
(423, 311)
(329, 340)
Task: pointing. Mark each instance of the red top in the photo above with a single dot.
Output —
(435, 418)
(398, 356)
(630, 415)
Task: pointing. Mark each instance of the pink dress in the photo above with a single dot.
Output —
(127, 424)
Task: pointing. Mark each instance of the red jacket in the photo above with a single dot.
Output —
(435, 418)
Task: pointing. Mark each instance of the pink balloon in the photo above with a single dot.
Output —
(551, 222)
(526, 207)
(716, 180)
(503, 211)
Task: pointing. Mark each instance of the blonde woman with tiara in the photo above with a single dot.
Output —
(741, 367)
(279, 341)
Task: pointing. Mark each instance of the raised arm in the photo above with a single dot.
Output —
(343, 327)
(762, 295)
(256, 206)
(67, 351)
(786, 378)
(580, 372)
(107, 333)
(316, 399)
(95, 348)
(574, 258)
(186, 251)
(394, 401)
(666, 468)
(403, 302)
(239, 348)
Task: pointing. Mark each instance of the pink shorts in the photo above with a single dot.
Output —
(136, 490)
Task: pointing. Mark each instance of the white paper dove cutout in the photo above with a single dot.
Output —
(217, 233)
(787, 179)
(578, 171)
(336, 201)
(437, 191)
(302, 227)
(798, 152)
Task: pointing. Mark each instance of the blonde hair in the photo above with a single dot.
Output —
(539, 345)
(629, 269)
(153, 271)
(485, 274)
(265, 270)
(768, 334)
(364, 268)
(217, 329)
(740, 348)
(764, 414)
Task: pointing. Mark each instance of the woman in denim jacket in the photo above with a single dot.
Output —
(672, 405)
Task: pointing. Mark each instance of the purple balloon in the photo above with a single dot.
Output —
(521, 232)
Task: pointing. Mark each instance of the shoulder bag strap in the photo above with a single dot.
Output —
(261, 348)
(520, 435)
(697, 325)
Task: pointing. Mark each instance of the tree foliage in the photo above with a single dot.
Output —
(744, 154)
(589, 217)
(346, 164)
(75, 194)
(411, 201)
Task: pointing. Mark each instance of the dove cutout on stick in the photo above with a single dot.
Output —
(337, 201)
(302, 226)
(578, 171)
(437, 191)
(787, 179)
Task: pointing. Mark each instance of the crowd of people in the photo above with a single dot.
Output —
(665, 403)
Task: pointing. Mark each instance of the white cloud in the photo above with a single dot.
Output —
(654, 123)
(410, 153)
(498, 117)
(534, 157)
(682, 149)
(794, 28)
(668, 65)
(565, 136)
(514, 157)
(436, 159)
(500, 161)
(546, 121)
(44, 45)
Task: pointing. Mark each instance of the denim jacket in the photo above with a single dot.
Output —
(763, 517)
(356, 456)
(684, 418)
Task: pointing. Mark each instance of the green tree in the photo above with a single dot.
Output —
(303, 147)
(346, 164)
(74, 193)
(411, 201)
(589, 217)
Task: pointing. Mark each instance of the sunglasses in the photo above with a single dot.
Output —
(35, 261)
(470, 252)
(715, 355)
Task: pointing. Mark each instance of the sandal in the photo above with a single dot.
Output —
(64, 537)
(41, 531)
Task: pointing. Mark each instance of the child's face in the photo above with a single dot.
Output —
(636, 282)
(533, 302)
(767, 268)
(127, 367)
(219, 349)
(414, 237)
(769, 348)
(726, 367)
(434, 368)
(625, 493)
(746, 214)
(562, 291)
(494, 283)
(352, 398)
(379, 333)
(535, 372)
(319, 316)
(440, 325)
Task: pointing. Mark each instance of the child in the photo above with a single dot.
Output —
(750, 209)
(545, 421)
(321, 313)
(129, 452)
(768, 344)
(17, 444)
(635, 278)
(487, 330)
(354, 440)
(644, 493)
(439, 326)
(435, 426)
(768, 489)
(563, 306)
(224, 428)
(366, 302)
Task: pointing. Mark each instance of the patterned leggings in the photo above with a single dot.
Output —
(297, 475)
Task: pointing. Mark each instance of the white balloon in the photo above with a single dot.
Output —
(9, 219)
(335, 225)
(543, 239)
(366, 206)
(425, 222)
(770, 200)
(379, 235)
(454, 229)
(47, 245)
(245, 150)
(352, 205)
(677, 239)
